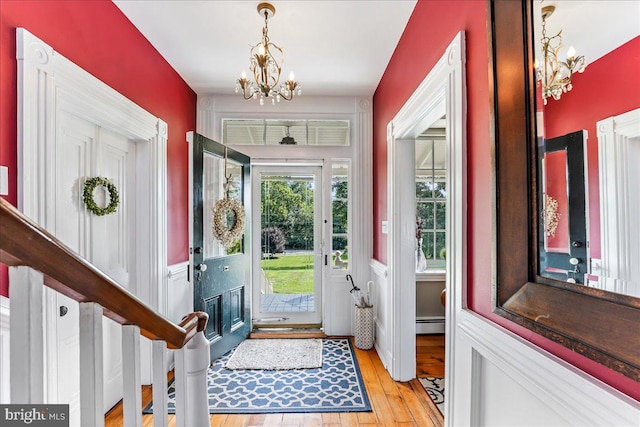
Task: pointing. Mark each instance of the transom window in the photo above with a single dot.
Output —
(286, 132)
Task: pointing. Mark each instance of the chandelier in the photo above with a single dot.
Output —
(265, 61)
(555, 75)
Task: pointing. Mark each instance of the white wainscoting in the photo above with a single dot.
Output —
(500, 379)
(4, 351)
(179, 303)
(179, 292)
(380, 294)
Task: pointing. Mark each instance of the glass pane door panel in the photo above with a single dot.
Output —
(290, 243)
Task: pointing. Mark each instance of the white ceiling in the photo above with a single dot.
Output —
(338, 47)
(334, 47)
(592, 27)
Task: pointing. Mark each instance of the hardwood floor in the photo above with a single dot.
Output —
(404, 404)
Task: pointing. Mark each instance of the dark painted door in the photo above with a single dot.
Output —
(220, 275)
(562, 239)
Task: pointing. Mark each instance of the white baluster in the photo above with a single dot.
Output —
(26, 287)
(91, 367)
(132, 383)
(192, 397)
(160, 396)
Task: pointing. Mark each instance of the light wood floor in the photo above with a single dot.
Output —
(394, 403)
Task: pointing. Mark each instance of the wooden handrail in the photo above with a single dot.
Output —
(25, 243)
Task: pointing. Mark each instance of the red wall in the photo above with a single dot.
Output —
(431, 28)
(100, 39)
(605, 89)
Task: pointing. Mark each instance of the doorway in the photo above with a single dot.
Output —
(287, 262)
(441, 93)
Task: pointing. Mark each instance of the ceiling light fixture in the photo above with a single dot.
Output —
(554, 75)
(266, 59)
(288, 139)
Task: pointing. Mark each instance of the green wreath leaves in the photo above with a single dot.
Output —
(87, 195)
(228, 236)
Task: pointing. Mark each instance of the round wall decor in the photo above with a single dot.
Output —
(87, 195)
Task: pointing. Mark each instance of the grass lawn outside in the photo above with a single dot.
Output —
(290, 273)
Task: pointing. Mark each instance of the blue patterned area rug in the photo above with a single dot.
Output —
(435, 390)
(336, 387)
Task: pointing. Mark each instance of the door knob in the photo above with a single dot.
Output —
(201, 267)
(63, 310)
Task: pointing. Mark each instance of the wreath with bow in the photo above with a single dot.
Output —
(226, 209)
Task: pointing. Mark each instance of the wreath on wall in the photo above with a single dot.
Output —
(228, 215)
(87, 195)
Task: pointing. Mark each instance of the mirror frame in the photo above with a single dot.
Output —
(600, 325)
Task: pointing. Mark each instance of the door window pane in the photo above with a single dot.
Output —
(340, 215)
(214, 190)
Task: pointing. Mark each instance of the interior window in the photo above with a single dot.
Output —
(286, 132)
(431, 194)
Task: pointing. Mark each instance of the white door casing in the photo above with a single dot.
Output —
(49, 86)
(618, 158)
(441, 93)
(338, 313)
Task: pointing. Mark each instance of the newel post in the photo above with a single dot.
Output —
(192, 397)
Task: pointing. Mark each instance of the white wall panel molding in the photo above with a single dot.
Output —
(563, 391)
(4, 351)
(379, 296)
(49, 85)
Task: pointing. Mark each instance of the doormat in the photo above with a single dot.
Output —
(335, 387)
(435, 390)
(277, 354)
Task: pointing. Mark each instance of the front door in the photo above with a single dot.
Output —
(288, 264)
(563, 235)
(220, 273)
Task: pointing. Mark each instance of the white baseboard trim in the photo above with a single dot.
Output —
(430, 325)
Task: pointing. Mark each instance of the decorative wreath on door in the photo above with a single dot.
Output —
(228, 215)
(87, 195)
(224, 210)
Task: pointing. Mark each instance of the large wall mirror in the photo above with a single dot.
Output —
(567, 154)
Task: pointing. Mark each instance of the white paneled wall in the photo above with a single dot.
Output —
(500, 379)
(380, 297)
(4, 350)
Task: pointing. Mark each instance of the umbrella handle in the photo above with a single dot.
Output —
(353, 287)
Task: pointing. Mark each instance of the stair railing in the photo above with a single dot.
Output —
(37, 259)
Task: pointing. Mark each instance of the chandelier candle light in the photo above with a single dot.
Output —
(554, 75)
(265, 63)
